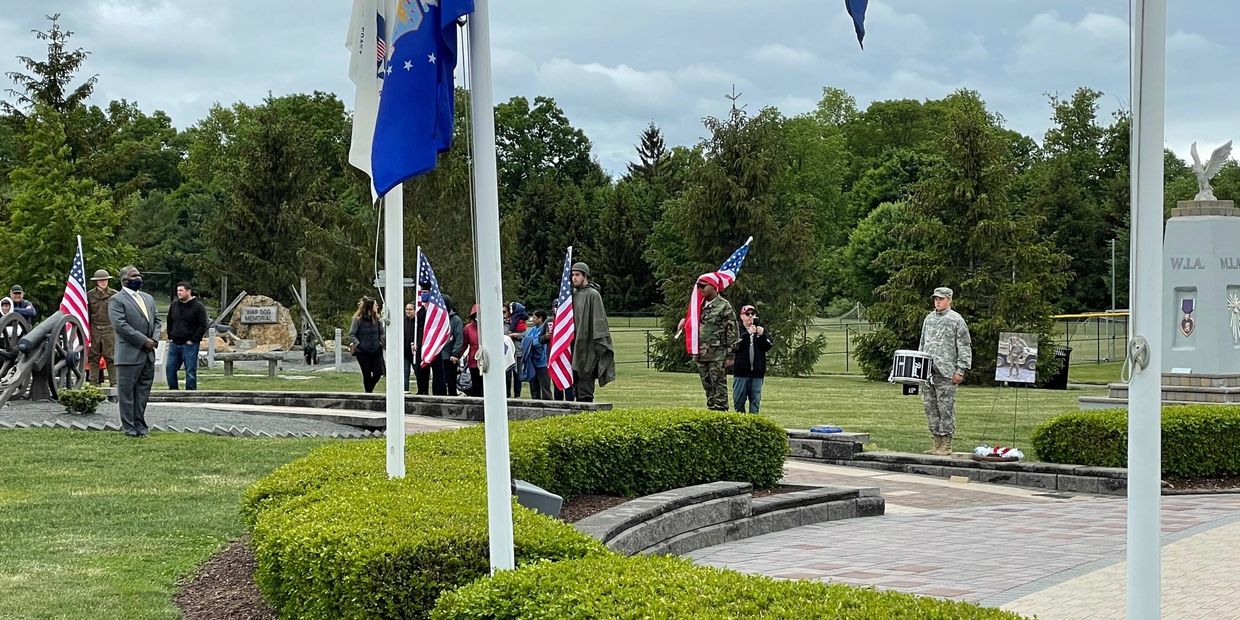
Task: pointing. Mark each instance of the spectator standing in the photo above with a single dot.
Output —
(187, 324)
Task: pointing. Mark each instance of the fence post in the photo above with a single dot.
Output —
(847, 357)
(211, 347)
(337, 348)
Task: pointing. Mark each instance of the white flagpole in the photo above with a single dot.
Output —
(394, 277)
(1149, 45)
(490, 293)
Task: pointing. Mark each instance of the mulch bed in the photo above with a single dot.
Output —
(1175, 486)
(583, 506)
(224, 588)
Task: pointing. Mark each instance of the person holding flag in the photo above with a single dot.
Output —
(711, 332)
(581, 352)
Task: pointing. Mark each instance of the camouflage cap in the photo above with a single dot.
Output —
(942, 291)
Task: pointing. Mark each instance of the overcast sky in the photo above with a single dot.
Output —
(616, 66)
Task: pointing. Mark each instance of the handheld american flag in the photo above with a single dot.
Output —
(560, 360)
(74, 301)
(720, 279)
(437, 331)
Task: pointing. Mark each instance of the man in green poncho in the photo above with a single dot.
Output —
(594, 359)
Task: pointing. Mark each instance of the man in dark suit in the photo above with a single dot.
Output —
(133, 317)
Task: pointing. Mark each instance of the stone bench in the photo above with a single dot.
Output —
(272, 358)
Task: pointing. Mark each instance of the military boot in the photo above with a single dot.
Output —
(938, 445)
(945, 447)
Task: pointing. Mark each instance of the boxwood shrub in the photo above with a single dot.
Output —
(334, 538)
(1197, 440)
(610, 587)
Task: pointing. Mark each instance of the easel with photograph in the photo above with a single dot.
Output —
(1016, 366)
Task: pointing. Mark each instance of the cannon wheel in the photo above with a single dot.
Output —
(12, 328)
(67, 356)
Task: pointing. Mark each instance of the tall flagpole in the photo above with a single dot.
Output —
(490, 294)
(1149, 47)
(394, 358)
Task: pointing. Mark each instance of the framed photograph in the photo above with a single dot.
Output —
(1017, 361)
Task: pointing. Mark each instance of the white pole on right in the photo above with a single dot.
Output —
(490, 293)
(1149, 46)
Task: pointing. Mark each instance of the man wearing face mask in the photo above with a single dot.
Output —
(136, 323)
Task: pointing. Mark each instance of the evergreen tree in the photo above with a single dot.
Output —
(49, 208)
(652, 155)
(734, 194)
(48, 82)
(973, 240)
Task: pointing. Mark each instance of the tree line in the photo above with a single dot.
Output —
(874, 205)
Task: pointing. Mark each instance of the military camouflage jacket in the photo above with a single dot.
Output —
(719, 333)
(945, 336)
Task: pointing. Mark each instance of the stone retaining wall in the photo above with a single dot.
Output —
(683, 520)
(1048, 476)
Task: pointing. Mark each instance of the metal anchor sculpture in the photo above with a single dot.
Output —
(36, 363)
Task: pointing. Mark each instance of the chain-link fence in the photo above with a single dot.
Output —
(1093, 337)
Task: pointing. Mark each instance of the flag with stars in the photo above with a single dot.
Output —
(720, 279)
(437, 331)
(563, 329)
(414, 123)
(74, 301)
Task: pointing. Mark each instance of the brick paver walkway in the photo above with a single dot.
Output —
(1054, 555)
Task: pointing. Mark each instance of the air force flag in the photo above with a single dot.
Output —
(416, 106)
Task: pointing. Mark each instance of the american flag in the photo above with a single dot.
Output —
(560, 360)
(437, 331)
(721, 279)
(380, 45)
(74, 301)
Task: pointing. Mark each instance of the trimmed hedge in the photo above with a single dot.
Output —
(1197, 440)
(334, 538)
(616, 587)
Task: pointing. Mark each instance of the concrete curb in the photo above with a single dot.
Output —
(683, 520)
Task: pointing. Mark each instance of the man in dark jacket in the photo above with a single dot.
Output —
(749, 369)
(22, 306)
(187, 324)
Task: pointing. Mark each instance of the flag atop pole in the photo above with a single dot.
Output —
(856, 10)
(367, 50)
(74, 301)
(721, 279)
(416, 105)
(560, 360)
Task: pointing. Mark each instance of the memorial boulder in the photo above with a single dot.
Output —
(265, 321)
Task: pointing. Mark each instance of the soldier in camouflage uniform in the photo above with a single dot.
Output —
(945, 337)
(102, 336)
(717, 340)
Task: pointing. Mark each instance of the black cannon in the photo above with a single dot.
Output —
(37, 362)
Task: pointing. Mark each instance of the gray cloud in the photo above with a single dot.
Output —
(614, 67)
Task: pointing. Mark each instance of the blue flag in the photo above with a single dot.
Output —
(856, 10)
(416, 105)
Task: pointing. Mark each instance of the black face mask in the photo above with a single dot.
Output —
(134, 284)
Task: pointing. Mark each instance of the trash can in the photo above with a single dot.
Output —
(1059, 380)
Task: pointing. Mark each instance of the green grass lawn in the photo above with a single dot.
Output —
(98, 525)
